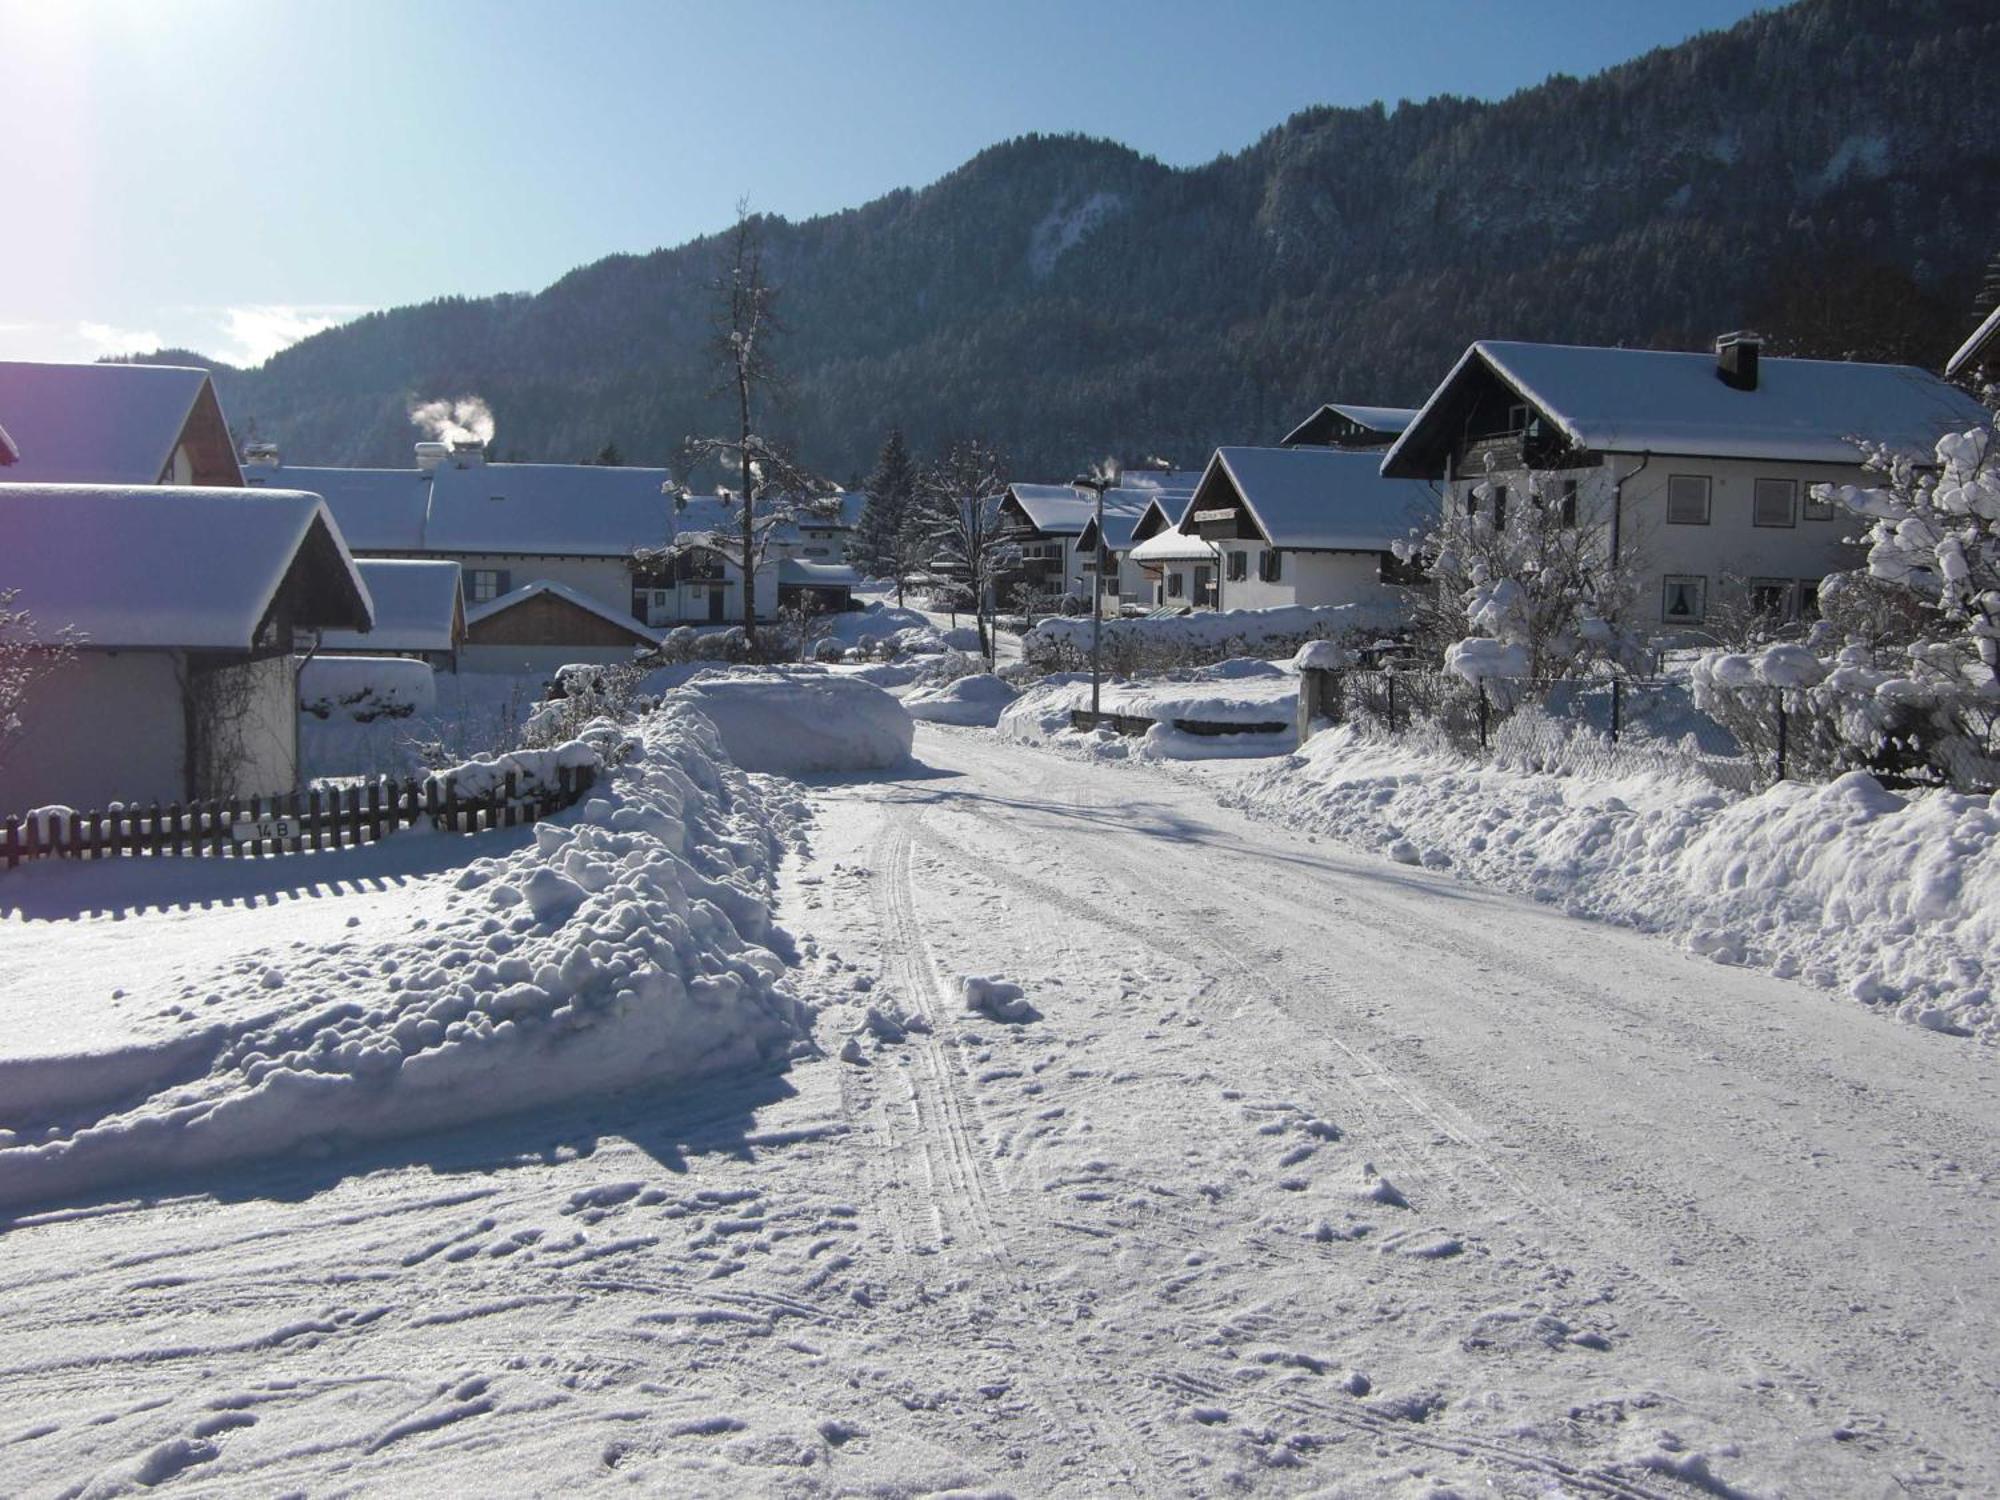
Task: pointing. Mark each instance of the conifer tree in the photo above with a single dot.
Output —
(890, 539)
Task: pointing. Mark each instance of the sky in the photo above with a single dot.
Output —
(231, 175)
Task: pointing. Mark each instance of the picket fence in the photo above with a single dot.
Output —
(332, 817)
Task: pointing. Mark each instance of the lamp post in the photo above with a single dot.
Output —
(1102, 476)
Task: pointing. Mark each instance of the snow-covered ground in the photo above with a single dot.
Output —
(1290, 1170)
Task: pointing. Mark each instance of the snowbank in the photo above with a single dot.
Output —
(1242, 692)
(366, 688)
(979, 699)
(1893, 899)
(624, 945)
(801, 723)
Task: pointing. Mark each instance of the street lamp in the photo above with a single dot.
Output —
(1102, 476)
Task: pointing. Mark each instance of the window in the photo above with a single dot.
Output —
(1817, 509)
(1771, 598)
(1809, 598)
(1775, 502)
(1517, 417)
(1499, 507)
(486, 584)
(1684, 599)
(814, 552)
(1566, 506)
(1239, 566)
(1271, 565)
(1176, 585)
(1687, 500)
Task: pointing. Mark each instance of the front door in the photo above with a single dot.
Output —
(1204, 586)
(716, 604)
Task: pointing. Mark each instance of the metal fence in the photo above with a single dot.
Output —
(1609, 724)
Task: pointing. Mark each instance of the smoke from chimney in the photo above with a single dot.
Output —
(465, 420)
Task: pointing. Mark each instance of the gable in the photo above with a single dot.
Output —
(114, 424)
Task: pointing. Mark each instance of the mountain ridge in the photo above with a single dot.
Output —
(1065, 295)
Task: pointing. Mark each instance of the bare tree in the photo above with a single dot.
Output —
(962, 490)
(24, 657)
(772, 490)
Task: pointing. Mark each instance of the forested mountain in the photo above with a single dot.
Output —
(1829, 172)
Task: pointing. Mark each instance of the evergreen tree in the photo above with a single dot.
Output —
(888, 541)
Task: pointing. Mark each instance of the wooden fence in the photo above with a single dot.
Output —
(322, 818)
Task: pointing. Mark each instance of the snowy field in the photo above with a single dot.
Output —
(1290, 1169)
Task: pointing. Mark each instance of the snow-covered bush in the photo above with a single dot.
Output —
(685, 643)
(1901, 677)
(1522, 584)
(366, 688)
(1193, 640)
(24, 656)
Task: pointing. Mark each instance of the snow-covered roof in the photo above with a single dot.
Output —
(416, 602)
(1061, 510)
(379, 510)
(562, 591)
(817, 575)
(100, 424)
(582, 510)
(167, 566)
(1328, 499)
(1383, 419)
(1973, 349)
(1170, 546)
(1669, 402)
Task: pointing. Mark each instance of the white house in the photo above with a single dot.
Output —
(114, 424)
(1132, 584)
(418, 612)
(1697, 468)
(1307, 525)
(1045, 522)
(1178, 570)
(185, 605)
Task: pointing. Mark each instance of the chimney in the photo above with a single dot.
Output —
(1736, 359)
(261, 456)
(467, 452)
(430, 455)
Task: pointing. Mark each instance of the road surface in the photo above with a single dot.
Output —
(1309, 1172)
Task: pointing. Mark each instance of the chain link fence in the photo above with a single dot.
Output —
(1605, 725)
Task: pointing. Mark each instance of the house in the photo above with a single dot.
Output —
(1043, 522)
(1131, 586)
(1696, 468)
(1178, 570)
(418, 612)
(185, 605)
(815, 587)
(1338, 425)
(114, 424)
(1304, 526)
(1979, 353)
(545, 625)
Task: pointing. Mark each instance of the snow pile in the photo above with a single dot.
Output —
(998, 999)
(802, 723)
(1323, 656)
(1244, 696)
(366, 688)
(1132, 645)
(1893, 899)
(623, 945)
(979, 699)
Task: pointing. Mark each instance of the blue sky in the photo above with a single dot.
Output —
(229, 174)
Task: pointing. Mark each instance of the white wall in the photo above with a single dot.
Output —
(105, 727)
(1309, 578)
(1730, 546)
(265, 740)
(605, 579)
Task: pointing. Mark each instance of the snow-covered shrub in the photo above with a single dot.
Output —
(1901, 678)
(685, 643)
(1193, 640)
(366, 688)
(24, 656)
(1522, 586)
(937, 670)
